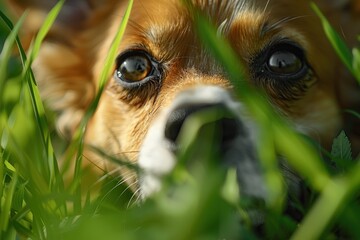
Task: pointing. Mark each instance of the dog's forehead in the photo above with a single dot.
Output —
(167, 29)
(164, 22)
(223, 11)
(154, 17)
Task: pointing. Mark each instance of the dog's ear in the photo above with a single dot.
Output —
(64, 67)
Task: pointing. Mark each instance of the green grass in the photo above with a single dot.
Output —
(35, 203)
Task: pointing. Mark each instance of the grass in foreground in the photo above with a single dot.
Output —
(35, 203)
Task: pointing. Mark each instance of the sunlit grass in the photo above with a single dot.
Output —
(35, 203)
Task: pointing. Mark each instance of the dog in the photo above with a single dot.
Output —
(163, 75)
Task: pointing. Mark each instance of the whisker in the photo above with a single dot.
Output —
(136, 199)
(113, 136)
(139, 196)
(111, 174)
(129, 186)
(93, 163)
(126, 152)
(266, 6)
(116, 186)
(113, 159)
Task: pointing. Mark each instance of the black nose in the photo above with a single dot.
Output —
(227, 125)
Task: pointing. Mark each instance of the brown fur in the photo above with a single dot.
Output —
(72, 57)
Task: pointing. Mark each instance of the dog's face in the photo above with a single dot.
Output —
(163, 75)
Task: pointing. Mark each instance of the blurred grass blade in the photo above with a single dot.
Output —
(7, 21)
(269, 160)
(7, 52)
(301, 155)
(77, 142)
(48, 165)
(354, 113)
(356, 63)
(298, 153)
(6, 205)
(51, 168)
(334, 198)
(337, 42)
(10, 27)
(323, 212)
(113, 51)
(45, 27)
(2, 178)
(104, 155)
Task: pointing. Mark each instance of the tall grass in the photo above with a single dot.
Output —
(35, 203)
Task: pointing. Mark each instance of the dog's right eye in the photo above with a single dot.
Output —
(282, 68)
(283, 61)
(135, 68)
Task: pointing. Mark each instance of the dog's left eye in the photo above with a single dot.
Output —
(134, 68)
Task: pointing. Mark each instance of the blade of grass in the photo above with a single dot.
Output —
(355, 114)
(2, 176)
(6, 54)
(334, 198)
(349, 219)
(10, 27)
(356, 62)
(38, 109)
(77, 143)
(40, 36)
(51, 168)
(9, 193)
(47, 176)
(20, 157)
(120, 162)
(273, 176)
(337, 42)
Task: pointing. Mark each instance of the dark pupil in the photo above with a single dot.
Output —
(135, 68)
(283, 62)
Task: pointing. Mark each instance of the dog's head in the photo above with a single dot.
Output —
(163, 75)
